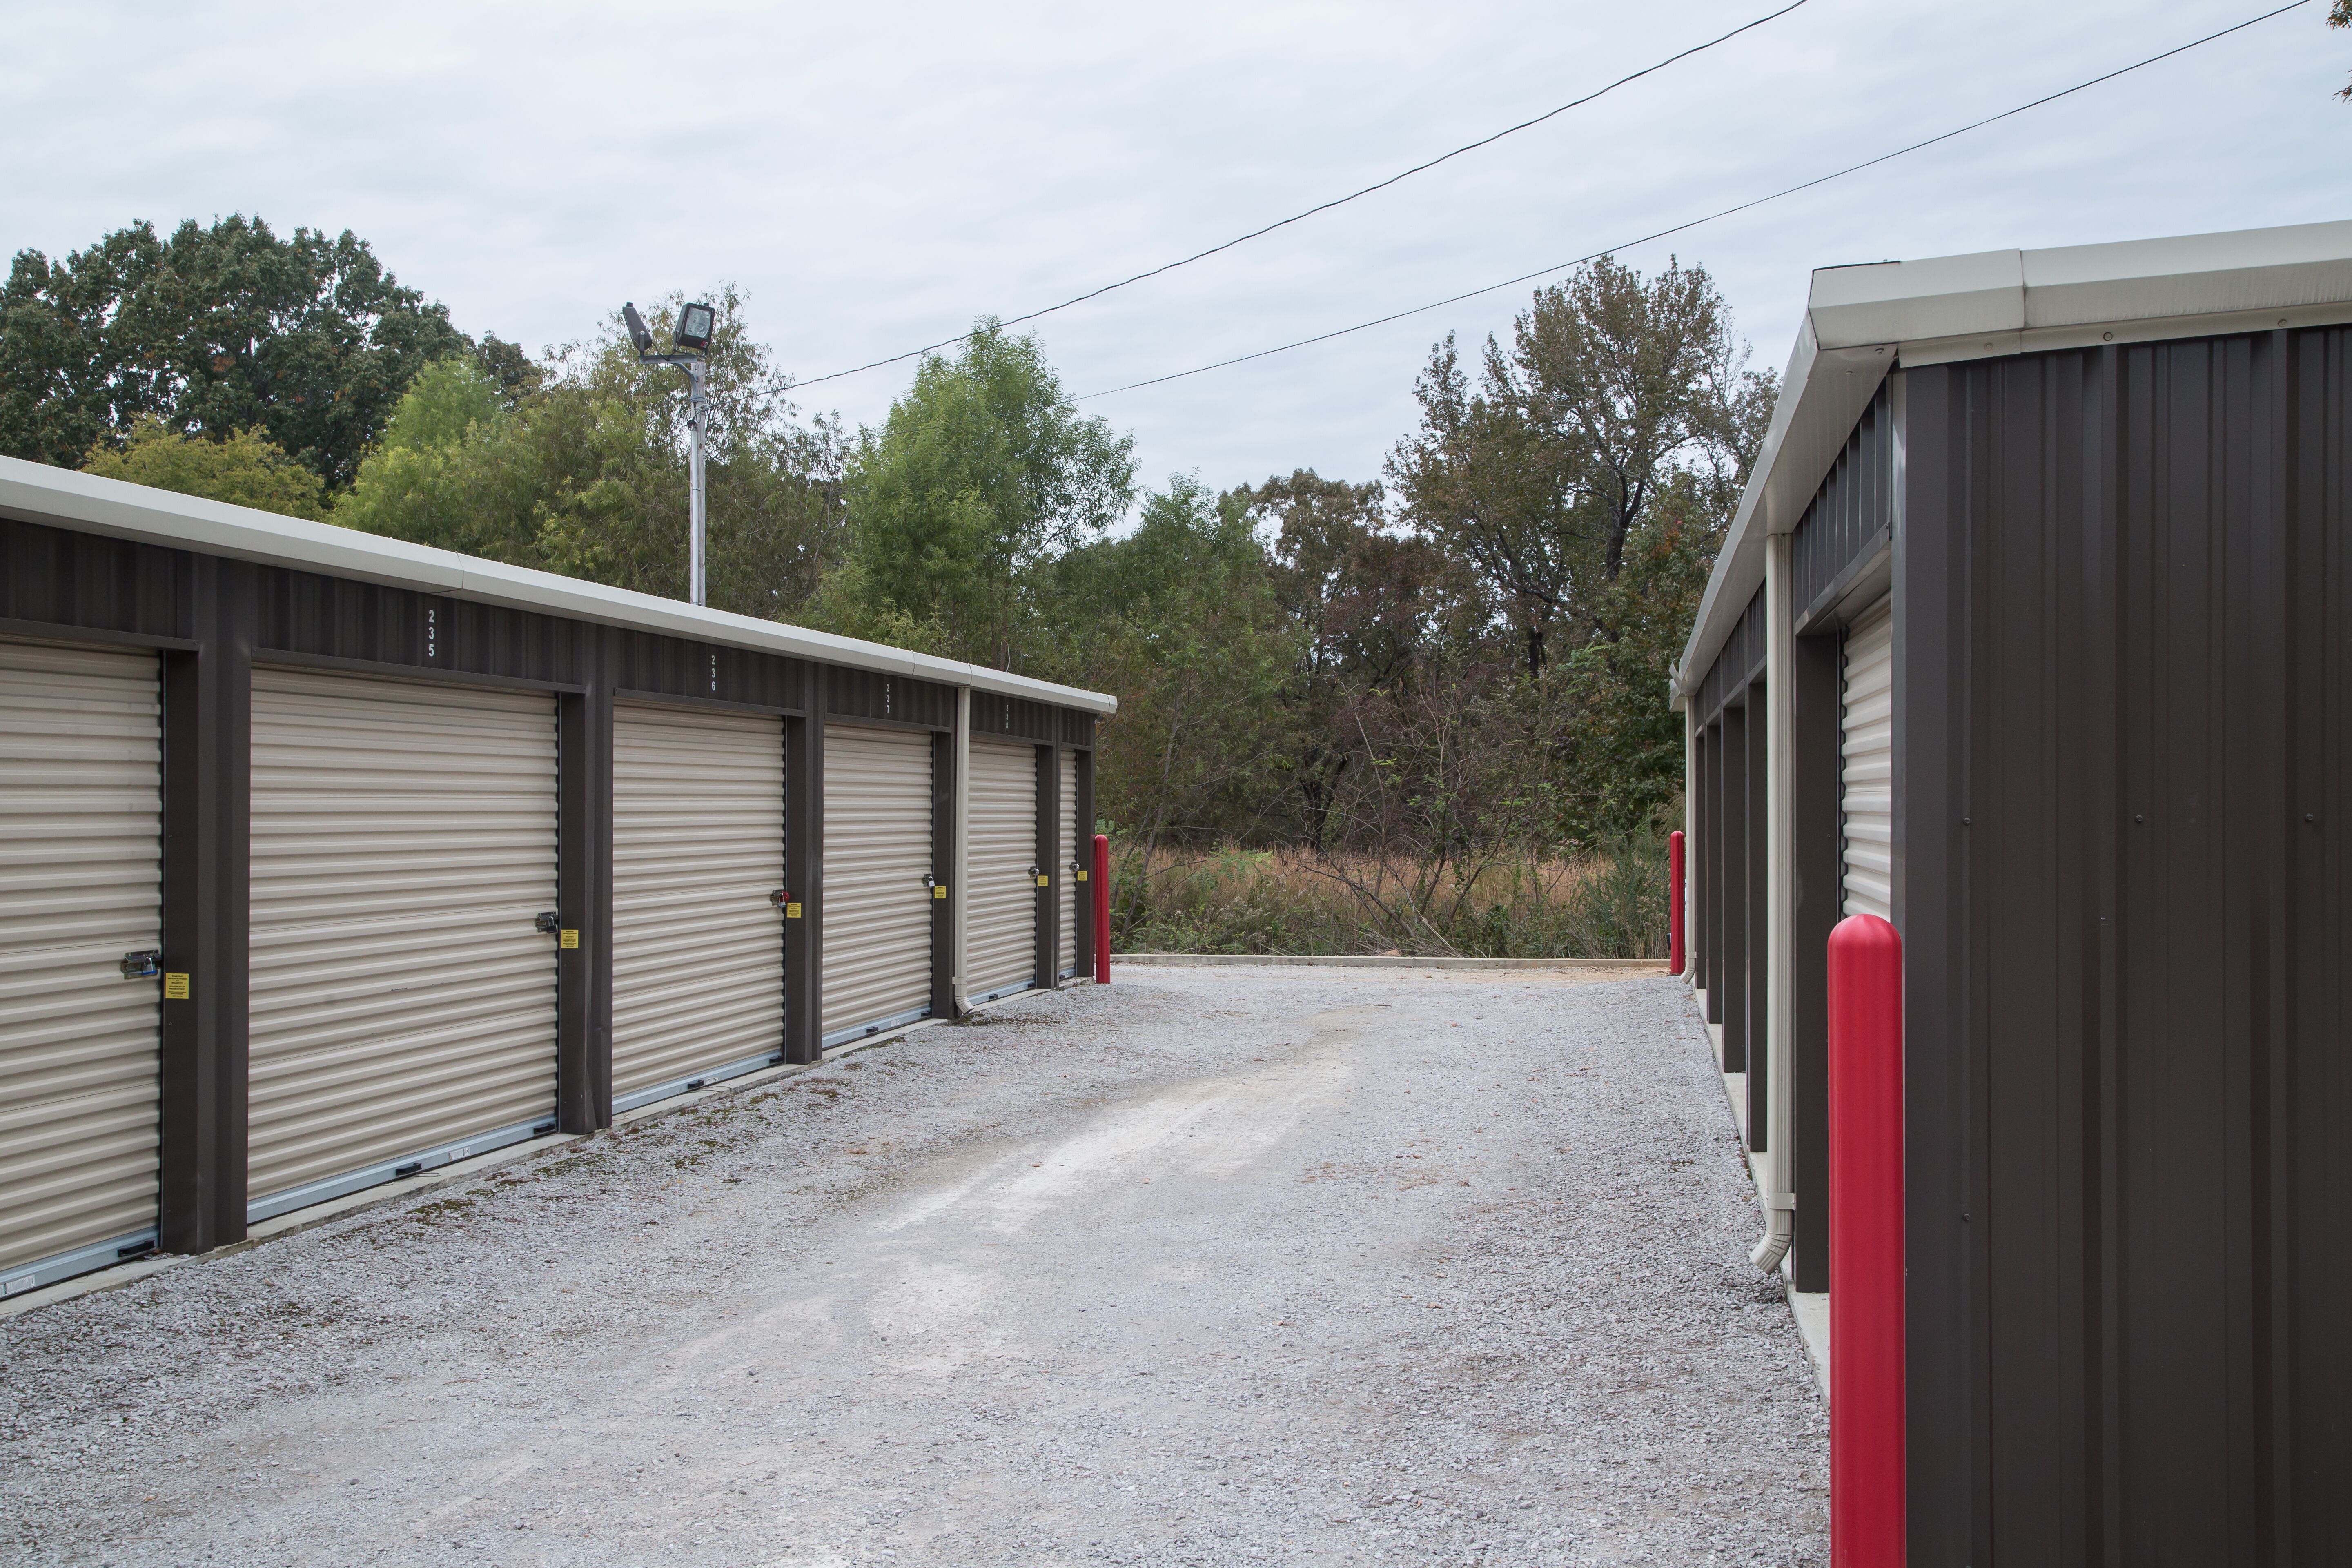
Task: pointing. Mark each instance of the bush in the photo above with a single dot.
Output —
(1608, 904)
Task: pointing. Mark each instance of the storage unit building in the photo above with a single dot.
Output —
(330, 859)
(2033, 635)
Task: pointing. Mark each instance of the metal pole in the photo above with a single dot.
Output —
(695, 405)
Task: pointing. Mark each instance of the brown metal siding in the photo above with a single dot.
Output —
(2124, 632)
(1014, 718)
(1740, 661)
(1731, 901)
(1814, 863)
(1756, 944)
(51, 576)
(896, 699)
(1849, 516)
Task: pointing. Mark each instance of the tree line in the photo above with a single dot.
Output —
(1462, 657)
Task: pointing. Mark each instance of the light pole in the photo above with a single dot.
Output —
(692, 335)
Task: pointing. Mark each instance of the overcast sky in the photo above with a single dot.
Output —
(876, 176)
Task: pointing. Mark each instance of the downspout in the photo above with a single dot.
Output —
(1690, 821)
(1780, 843)
(959, 918)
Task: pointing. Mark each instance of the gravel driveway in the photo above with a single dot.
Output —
(1211, 1266)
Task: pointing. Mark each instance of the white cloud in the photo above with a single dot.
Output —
(876, 176)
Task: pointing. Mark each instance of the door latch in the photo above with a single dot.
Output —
(546, 924)
(142, 965)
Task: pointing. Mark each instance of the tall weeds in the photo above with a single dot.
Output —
(1608, 904)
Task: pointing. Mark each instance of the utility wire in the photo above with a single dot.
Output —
(1324, 206)
(1694, 222)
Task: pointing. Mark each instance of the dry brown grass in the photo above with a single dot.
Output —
(1497, 904)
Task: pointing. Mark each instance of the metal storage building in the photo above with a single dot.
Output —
(2033, 635)
(326, 858)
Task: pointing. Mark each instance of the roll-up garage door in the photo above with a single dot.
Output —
(80, 843)
(698, 943)
(1065, 957)
(877, 854)
(404, 1003)
(1000, 930)
(1867, 763)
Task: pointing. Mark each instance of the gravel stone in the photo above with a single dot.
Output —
(1209, 1266)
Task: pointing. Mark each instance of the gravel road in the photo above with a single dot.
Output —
(1211, 1266)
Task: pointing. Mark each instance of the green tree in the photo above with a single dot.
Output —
(981, 473)
(245, 469)
(1613, 385)
(454, 471)
(1366, 604)
(1622, 746)
(1180, 620)
(2340, 15)
(1635, 380)
(216, 330)
(1481, 482)
(587, 474)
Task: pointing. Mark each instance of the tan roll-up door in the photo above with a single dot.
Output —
(80, 887)
(403, 1004)
(698, 943)
(1074, 854)
(877, 854)
(1867, 763)
(1000, 932)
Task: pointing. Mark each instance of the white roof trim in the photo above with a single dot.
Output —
(1862, 321)
(35, 492)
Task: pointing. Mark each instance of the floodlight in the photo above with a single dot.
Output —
(694, 323)
(637, 333)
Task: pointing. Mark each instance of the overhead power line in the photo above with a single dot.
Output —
(1322, 206)
(1694, 222)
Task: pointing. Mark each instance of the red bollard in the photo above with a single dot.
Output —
(1674, 913)
(1866, 1392)
(1102, 910)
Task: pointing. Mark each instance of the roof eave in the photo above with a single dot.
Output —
(35, 492)
(1861, 322)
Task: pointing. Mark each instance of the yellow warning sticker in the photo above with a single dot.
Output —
(1045, 881)
(792, 911)
(1082, 876)
(569, 938)
(938, 890)
(175, 988)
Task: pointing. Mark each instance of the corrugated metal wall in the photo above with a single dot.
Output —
(1849, 516)
(698, 850)
(403, 1001)
(2123, 739)
(80, 844)
(1000, 913)
(1740, 661)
